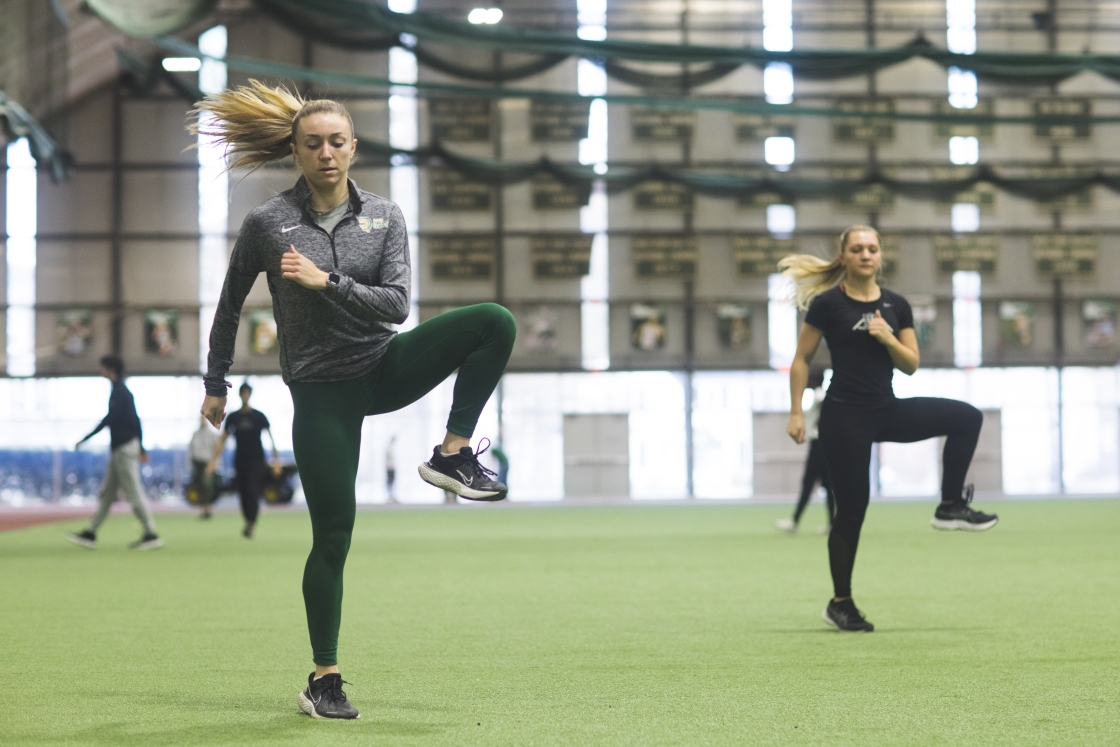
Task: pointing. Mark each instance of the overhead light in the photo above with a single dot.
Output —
(485, 15)
(181, 64)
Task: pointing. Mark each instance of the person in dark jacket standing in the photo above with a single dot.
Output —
(337, 262)
(246, 426)
(123, 471)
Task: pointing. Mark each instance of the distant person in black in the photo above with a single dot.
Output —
(246, 425)
(815, 470)
(126, 451)
(870, 332)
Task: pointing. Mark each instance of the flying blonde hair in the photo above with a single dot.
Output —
(256, 123)
(812, 275)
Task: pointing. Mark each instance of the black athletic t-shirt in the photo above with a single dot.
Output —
(246, 428)
(862, 369)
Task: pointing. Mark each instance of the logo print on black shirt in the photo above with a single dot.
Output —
(863, 322)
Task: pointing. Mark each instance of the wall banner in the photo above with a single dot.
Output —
(733, 326)
(461, 257)
(647, 327)
(1016, 324)
(664, 256)
(263, 336)
(460, 120)
(451, 190)
(1065, 253)
(662, 196)
(862, 130)
(549, 193)
(564, 255)
(967, 252)
(661, 125)
(74, 331)
(558, 121)
(753, 128)
(1063, 132)
(540, 329)
(161, 332)
(1099, 317)
(757, 255)
(945, 130)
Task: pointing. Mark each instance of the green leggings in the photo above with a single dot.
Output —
(327, 433)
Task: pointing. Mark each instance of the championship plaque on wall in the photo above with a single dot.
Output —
(558, 121)
(856, 129)
(460, 120)
(549, 193)
(757, 255)
(662, 196)
(451, 191)
(981, 194)
(1064, 253)
(560, 255)
(946, 128)
(1076, 201)
(661, 125)
(664, 256)
(758, 199)
(461, 257)
(1063, 131)
(966, 253)
(750, 128)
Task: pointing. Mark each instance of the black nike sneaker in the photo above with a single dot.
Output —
(324, 698)
(846, 618)
(84, 538)
(463, 475)
(961, 516)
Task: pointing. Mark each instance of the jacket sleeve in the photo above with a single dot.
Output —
(388, 300)
(244, 265)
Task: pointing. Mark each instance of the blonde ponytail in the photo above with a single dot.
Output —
(811, 275)
(256, 123)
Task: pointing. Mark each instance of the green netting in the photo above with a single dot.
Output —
(1019, 67)
(17, 122)
(325, 77)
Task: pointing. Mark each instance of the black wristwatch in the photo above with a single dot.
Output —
(334, 279)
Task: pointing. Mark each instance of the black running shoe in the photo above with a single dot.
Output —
(962, 516)
(324, 698)
(147, 542)
(463, 475)
(85, 539)
(846, 618)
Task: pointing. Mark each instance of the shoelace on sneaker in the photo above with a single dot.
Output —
(332, 690)
(479, 469)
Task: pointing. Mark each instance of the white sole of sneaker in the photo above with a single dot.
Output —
(149, 545)
(82, 542)
(948, 525)
(308, 707)
(443, 482)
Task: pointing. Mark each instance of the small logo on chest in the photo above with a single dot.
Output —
(369, 224)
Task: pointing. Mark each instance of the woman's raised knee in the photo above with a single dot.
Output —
(500, 321)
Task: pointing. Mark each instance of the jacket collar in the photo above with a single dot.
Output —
(302, 194)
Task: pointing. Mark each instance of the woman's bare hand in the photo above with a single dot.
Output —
(295, 266)
(214, 410)
(796, 427)
(880, 330)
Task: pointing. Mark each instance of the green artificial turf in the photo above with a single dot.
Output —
(633, 625)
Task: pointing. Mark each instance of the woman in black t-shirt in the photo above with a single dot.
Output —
(870, 332)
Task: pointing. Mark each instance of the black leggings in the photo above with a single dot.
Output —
(250, 481)
(815, 471)
(847, 432)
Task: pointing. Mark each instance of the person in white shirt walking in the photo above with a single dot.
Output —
(200, 451)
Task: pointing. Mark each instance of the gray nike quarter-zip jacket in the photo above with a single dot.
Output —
(334, 334)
